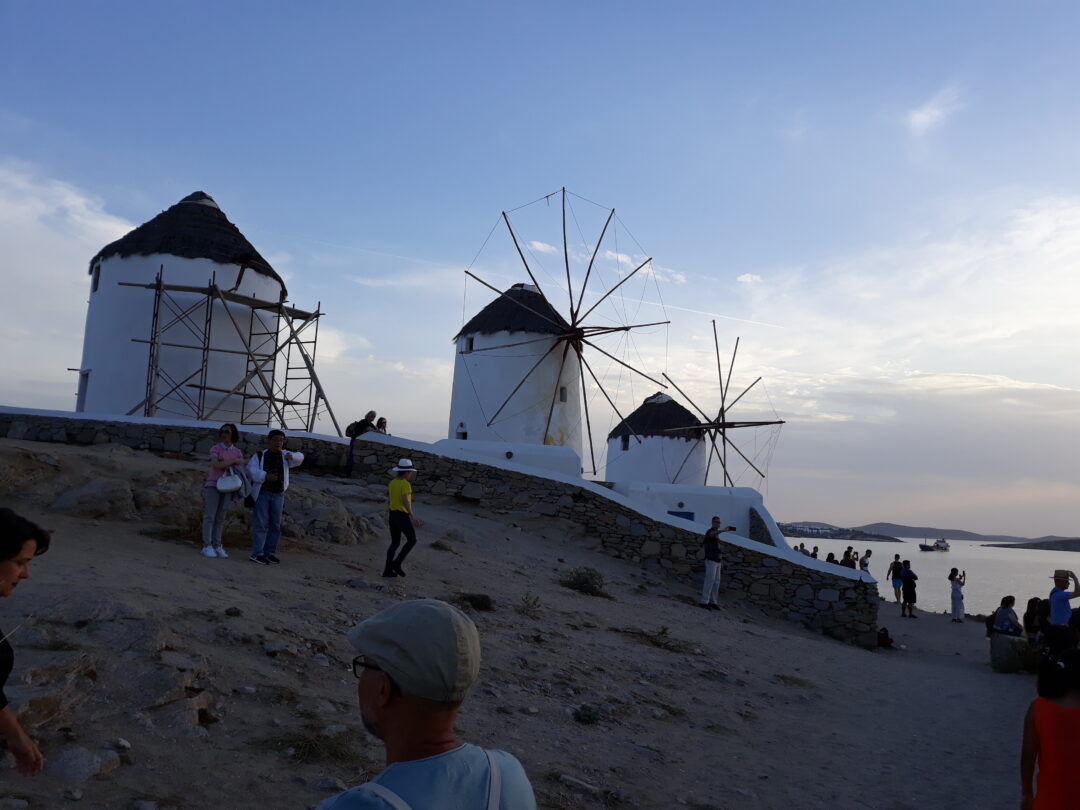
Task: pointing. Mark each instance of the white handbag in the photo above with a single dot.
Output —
(229, 482)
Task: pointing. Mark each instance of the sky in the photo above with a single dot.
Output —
(880, 200)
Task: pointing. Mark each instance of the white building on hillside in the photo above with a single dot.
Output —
(514, 380)
(184, 320)
(671, 450)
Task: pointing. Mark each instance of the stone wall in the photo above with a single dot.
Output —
(837, 605)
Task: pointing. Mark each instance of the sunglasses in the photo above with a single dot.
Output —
(360, 663)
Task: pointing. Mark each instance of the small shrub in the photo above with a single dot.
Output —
(529, 606)
(584, 580)
(795, 680)
(587, 715)
(440, 545)
(661, 639)
(311, 744)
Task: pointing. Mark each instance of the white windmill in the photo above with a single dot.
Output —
(186, 319)
(520, 364)
(671, 450)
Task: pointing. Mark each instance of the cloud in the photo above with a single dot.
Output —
(934, 112)
(50, 229)
(622, 258)
(543, 247)
(749, 278)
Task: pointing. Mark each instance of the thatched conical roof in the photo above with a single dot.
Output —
(655, 416)
(194, 228)
(503, 315)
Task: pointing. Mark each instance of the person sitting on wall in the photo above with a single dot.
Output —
(380, 426)
(355, 429)
(710, 589)
(1005, 619)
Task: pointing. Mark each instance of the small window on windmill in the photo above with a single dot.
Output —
(562, 393)
(468, 344)
(96, 279)
(625, 443)
(462, 432)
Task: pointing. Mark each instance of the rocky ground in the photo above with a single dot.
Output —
(156, 678)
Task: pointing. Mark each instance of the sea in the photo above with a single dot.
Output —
(992, 572)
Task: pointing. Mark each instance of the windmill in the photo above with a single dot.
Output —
(521, 364)
(717, 427)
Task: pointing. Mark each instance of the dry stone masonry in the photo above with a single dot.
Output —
(834, 604)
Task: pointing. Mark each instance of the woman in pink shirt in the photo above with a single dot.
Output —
(223, 455)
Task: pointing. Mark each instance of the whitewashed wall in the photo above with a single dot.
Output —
(114, 368)
(657, 459)
(483, 380)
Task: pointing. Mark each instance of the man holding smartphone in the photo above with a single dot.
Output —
(711, 543)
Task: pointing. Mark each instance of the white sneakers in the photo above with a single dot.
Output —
(209, 551)
(221, 553)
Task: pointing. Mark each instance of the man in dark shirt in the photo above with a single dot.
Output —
(357, 429)
(711, 544)
(269, 474)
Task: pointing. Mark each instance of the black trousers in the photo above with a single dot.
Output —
(400, 523)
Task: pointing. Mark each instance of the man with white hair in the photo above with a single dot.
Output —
(416, 663)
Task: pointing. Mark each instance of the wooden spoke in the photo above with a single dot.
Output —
(621, 363)
(528, 269)
(696, 408)
(555, 392)
(588, 423)
(511, 298)
(584, 284)
(605, 296)
(612, 404)
(522, 382)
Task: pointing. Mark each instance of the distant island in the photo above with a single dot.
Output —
(889, 532)
(828, 532)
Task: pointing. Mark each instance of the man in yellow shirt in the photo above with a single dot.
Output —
(401, 517)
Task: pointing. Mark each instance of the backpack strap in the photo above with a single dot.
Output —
(494, 782)
(387, 796)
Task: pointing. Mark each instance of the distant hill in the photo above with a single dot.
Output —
(898, 530)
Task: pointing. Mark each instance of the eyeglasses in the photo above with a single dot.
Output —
(360, 663)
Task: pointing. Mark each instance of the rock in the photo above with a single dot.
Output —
(358, 584)
(579, 785)
(74, 765)
(11, 803)
(274, 648)
(182, 661)
(321, 660)
(331, 783)
(246, 690)
(73, 794)
(233, 611)
(530, 710)
(110, 761)
(121, 744)
(472, 492)
(99, 498)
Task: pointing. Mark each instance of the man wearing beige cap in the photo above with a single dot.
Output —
(416, 663)
(1060, 609)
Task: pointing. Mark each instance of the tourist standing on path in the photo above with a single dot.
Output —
(401, 517)
(710, 589)
(1060, 609)
(907, 590)
(416, 663)
(269, 472)
(224, 457)
(893, 575)
(1052, 736)
(20, 542)
(958, 581)
(365, 425)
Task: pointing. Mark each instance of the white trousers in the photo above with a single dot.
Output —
(712, 583)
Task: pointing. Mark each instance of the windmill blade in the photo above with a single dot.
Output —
(708, 460)
(511, 298)
(740, 396)
(731, 367)
(621, 363)
(612, 404)
(519, 343)
(696, 408)
(597, 331)
(528, 269)
(575, 310)
(744, 458)
(523, 379)
(588, 422)
(686, 458)
(605, 296)
(719, 370)
(729, 425)
(555, 392)
(566, 255)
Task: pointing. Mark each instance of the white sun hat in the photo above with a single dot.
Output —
(403, 465)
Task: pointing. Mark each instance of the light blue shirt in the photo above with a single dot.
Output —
(455, 780)
(1060, 609)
